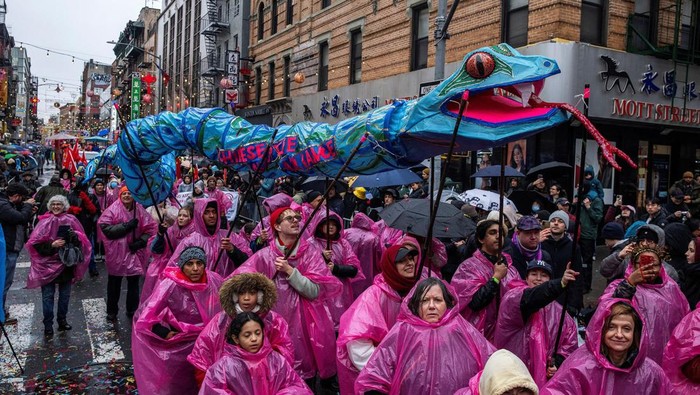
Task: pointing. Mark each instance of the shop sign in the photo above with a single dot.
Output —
(335, 107)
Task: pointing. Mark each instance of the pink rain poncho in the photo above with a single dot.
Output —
(683, 347)
(210, 243)
(45, 269)
(221, 198)
(312, 327)
(366, 246)
(471, 275)
(343, 255)
(370, 317)
(175, 234)
(105, 200)
(533, 341)
(118, 259)
(387, 236)
(662, 306)
(270, 204)
(417, 357)
(588, 371)
(160, 365)
(243, 373)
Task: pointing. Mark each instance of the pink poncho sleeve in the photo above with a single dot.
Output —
(682, 347)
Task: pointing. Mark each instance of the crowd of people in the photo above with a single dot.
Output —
(322, 296)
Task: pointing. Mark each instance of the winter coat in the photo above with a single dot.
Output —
(472, 275)
(369, 318)
(263, 373)
(560, 254)
(160, 365)
(47, 267)
(417, 357)
(662, 306)
(309, 318)
(588, 371)
(683, 346)
(366, 246)
(14, 219)
(532, 339)
(591, 217)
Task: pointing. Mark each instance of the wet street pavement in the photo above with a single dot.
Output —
(92, 358)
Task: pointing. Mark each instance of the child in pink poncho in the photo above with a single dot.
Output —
(614, 359)
(179, 308)
(340, 259)
(430, 350)
(303, 282)
(56, 229)
(242, 293)
(251, 367)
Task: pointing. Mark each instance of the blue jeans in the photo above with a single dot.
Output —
(47, 296)
(10, 265)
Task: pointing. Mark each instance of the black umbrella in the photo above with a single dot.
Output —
(319, 183)
(103, 172)
(387, 178)
(548, 166)
(413, 216)
(523, 201)
(495, 171)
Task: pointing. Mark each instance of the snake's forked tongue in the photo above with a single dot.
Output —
(609, 150)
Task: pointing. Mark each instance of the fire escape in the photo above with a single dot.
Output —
(670, 33)
(215, 24)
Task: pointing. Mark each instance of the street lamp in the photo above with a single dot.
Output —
(159, 66)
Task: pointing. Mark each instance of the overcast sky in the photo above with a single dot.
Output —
(78, 27)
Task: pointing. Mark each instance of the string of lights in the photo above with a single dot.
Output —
(50, 51)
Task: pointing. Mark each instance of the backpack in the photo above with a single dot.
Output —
(70, 255)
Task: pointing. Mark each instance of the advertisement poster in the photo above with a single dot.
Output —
(517, 154)
(602, 170)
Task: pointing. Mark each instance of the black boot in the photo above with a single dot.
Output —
(64, 326)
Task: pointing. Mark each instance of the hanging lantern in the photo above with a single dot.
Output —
(89, 93)
(299, 77)
(57, 104)
(226, 83)
(116, 92)
(148, 99)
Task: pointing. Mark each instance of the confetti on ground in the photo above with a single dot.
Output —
(98, 378)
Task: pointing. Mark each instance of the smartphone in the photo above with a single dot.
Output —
(63, 231)
(545, 224)
(619, 198)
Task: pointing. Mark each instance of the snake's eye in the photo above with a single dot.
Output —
(480, 65)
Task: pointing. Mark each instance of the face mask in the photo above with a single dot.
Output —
(535, 208)
(113, 184)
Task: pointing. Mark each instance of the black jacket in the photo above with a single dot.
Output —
(538, 297)
(14, 220)
(560, 254)
(519, 260)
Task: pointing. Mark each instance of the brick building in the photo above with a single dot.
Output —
(322, 60)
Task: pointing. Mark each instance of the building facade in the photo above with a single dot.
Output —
(24, 90)
(96, 87)
(325, 61)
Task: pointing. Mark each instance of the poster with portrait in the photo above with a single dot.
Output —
(602, 170)
(517, 156)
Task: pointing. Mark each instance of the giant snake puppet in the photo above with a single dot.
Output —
(501, 85)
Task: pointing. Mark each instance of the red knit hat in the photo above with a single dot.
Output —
(275, 215)
(122, 190)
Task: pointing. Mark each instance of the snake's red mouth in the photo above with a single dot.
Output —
(507, 104)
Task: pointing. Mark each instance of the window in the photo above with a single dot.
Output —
(271, 81)
(228, 10)
(323, 66)
(592, 16)
(290, 12)
(644, 21)
(273, 18)
(325, 3)
(261, 21)
(356, 56)
(235, 42)
(287, 82)
(258, 84)
(516, 19)
(419, 37)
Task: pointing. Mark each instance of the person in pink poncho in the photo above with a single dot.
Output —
(214, 192)
(243, 293)
(124, 229)
(503, 374)
(528, 320)
(56, 230)
(252, 367)
(366, 246)
(483, 279)
(340, 259)
(262, 233)
(659, 298)
(373, 314)
(614, 359)
(682, 356)
(212, 239)
(160, 247)
(303, 284)
(430, 350)
(179, 308)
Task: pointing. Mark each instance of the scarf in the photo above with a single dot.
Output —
(528, 254)
(396, 281)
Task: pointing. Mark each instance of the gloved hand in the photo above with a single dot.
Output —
(132, 224)
(136, 245)
(162, 229)
(84, 196)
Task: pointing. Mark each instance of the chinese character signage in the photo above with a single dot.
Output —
(334, 106)
(135, 96)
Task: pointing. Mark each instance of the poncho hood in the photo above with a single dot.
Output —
(247, 281)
